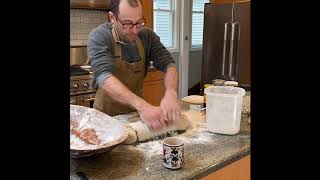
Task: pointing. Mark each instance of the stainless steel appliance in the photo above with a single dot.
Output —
(81, 91)
(78, 55)
(226, 43)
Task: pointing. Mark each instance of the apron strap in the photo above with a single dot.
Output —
(140, 48)
(117, 48)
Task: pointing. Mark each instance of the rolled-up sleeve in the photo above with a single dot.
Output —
(101, 56)
(156, 51)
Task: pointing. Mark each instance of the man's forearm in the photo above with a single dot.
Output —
(120, 93)
(171, 80)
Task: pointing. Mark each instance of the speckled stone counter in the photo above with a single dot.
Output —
(205, 153)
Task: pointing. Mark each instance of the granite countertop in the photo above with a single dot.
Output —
(205, 152)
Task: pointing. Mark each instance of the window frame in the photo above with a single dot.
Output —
(175, 25)
(196, 47)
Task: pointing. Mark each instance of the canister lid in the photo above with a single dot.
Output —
(230, 83)
(218, 82)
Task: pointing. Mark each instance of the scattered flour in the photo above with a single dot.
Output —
(197, 133)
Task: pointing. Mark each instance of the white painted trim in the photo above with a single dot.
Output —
(173, 50)
(185, 25)
(176, 27)
(196, 48)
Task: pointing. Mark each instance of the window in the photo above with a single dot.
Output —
(197, 22)
(163, 21)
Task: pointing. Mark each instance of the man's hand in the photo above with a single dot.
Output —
(151, 115)
(170, 108)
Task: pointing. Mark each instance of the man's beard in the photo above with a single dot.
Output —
(125, 37)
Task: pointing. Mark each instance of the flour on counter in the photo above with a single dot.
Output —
(152, 147)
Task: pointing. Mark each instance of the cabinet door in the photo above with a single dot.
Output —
(239, 170)
(216, 35)
(242, 16)
(153, 87)
(148, 12)
(153, 92)
(224, 1)
(90, 4)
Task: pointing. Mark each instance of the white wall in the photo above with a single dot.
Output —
(82, 22)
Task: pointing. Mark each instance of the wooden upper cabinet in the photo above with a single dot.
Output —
(224, 1)
(105, 5)
(148, 12)
(90, 4)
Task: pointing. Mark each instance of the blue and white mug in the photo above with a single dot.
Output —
(173, 153)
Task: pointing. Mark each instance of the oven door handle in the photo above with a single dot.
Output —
(89, 99)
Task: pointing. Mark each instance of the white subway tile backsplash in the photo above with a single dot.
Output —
(81, 24)
(96, 20)
(82, 36)
(72, 36)
(76, 43)
(75, 19)
(82, 13)
(93, 14)
(96, 25)
(83, 30)
(103, 20)
(84, 25)
(86, 20)
(92, 26)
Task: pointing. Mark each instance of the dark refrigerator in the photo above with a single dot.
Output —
(226, 43)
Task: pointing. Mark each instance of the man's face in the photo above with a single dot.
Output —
(128, 15)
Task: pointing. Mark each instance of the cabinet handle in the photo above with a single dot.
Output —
(224, 47)
(89, 99)
(233, 49)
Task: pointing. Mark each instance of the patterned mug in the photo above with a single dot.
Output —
(173, 153)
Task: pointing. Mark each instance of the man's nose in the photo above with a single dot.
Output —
(134, 29)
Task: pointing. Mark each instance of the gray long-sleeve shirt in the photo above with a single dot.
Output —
(101, 52)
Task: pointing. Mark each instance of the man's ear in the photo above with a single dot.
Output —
(112, 18)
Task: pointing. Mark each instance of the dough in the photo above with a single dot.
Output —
(132, 136)
(193, 99)
(139, 131)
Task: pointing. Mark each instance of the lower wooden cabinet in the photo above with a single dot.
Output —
(239, 170)
(153, 87)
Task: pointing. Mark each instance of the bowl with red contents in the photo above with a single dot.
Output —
(93, 132)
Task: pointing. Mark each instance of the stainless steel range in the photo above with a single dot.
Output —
(81, 91)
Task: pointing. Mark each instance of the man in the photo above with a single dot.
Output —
(119, 53)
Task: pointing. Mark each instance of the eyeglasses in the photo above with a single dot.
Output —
(129, 25)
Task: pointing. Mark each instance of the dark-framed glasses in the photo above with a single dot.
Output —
(129, 25)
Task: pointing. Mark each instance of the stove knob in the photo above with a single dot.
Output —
(86, 85)
(75, 85)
